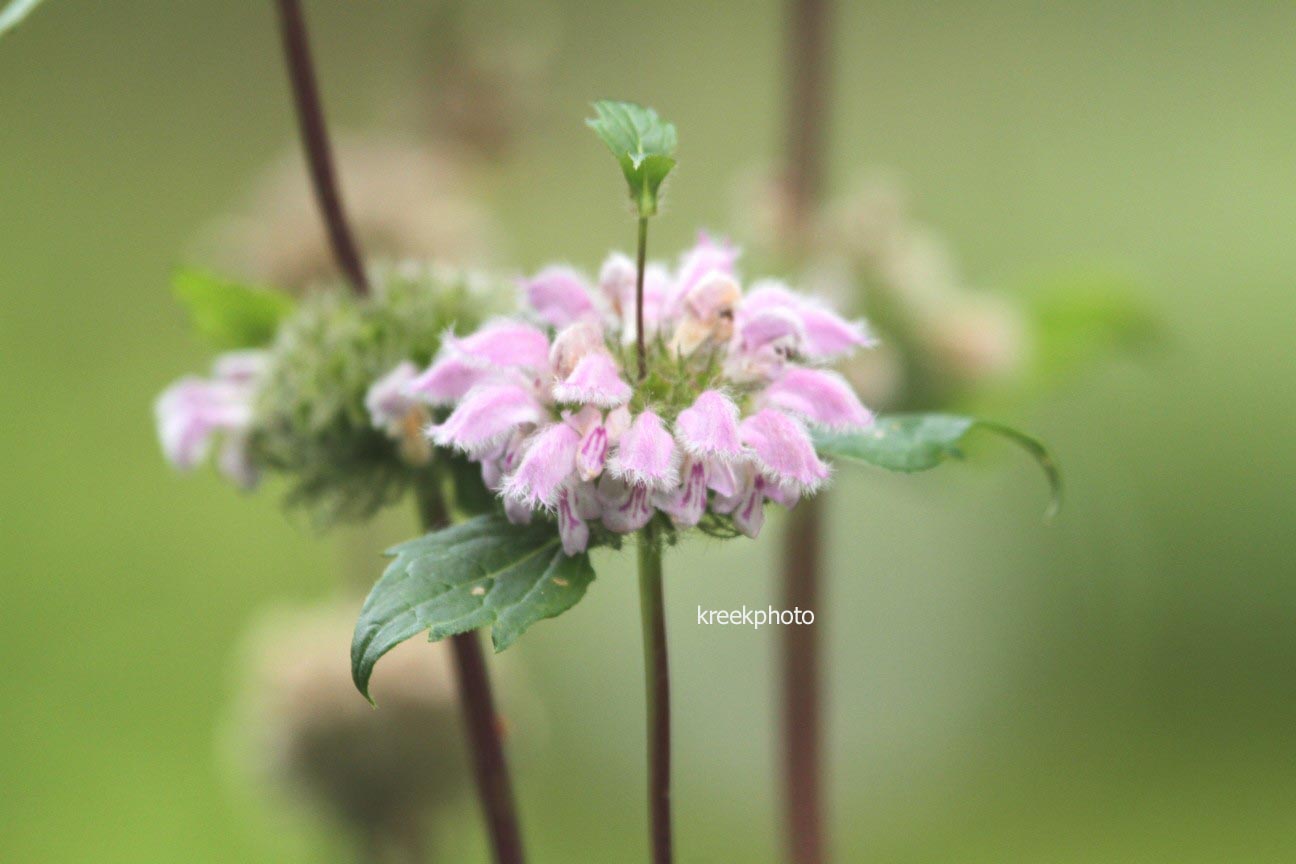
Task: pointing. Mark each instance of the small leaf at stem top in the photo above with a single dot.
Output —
(917, 442)
(483, 572)
(643, 144)
(228, 314)
(12, 14)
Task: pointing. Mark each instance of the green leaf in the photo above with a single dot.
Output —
(484, 572)
(643, 144)
(228, 314)
(917, 442)
(13, 14)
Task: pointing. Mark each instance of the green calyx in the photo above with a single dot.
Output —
(310, 423)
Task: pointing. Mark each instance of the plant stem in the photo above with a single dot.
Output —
(802, 699)
(802, 732)
(639, 297)
(656, 694)
(482, 723)
(315, 140)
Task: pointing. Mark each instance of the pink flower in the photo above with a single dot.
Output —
(389, 401)
(546, 466)
(194, 412)
(560, 296)
(817, 396)
(647, 454)
(557, 426)
(595, 381)
(783, 451)
(487, 416)
(709, 428)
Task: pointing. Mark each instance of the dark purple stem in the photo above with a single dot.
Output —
(807, 109)
(315, 140)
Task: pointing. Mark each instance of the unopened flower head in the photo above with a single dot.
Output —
(550, 406)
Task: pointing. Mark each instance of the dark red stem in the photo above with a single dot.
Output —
(315, 140)
(807, 120)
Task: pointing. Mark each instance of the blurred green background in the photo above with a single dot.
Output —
(1114, 687)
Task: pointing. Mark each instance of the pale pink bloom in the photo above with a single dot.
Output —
(576, 505)
(709, 427)
(560, 296)
(686, 503)
(487, 416)
(626, 507)
(647, 454)
(389, 401)
(783, 450)
(571, 344)
(464, 362)
(549, 419)
(194, 412)
(704, 259)
(826, 334)
(595, 381)
(818, 396)
(545, 467)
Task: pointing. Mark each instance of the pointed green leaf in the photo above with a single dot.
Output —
(12, 14)
(917, 442)
(484, 572)
(643, 144)
(228, 314)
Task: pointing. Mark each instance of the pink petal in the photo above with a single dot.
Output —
(827, 334)
(487, 416)
(617, 282)
(592, 453)
(707, 257)
(818, 396)
(626, 507)
(709, 427)
(647, 454)
(783, 450)
(595, 381)
(504, 342)
(686, 503)
(388, 401)
(559, 295)
(547, 464)
(572, 344)
(448, 379)
(571, 527)
(725, 478)
(192, 410)
(749, 515)
(517, 513)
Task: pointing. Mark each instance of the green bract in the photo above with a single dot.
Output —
(642, 143)
(917, 442)
(310, 423)
(484, 572)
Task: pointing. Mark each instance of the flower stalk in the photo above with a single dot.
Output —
(315, 141)
(656, 694)
(802, 717)
(639, 298)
